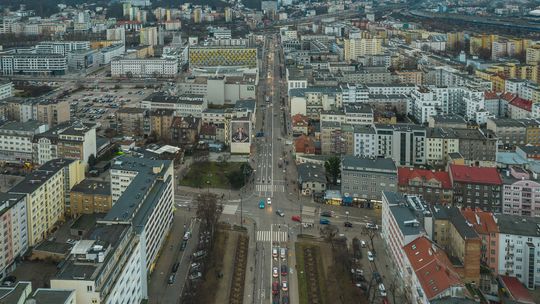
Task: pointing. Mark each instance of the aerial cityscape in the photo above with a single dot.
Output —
(269, 151)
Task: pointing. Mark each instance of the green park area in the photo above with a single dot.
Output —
(223, 175)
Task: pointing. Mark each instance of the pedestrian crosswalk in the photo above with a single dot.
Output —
(265, 188)
(271, 236)
(230, 209)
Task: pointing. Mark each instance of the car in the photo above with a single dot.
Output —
(183, 245)
(296, 218)
(71, 242)
(284, 285)
(175, 267)
(171, 279)
(372, 226)
(326, 213)
(324, 221)
(370, 256)
(280, 212)
(284, 270)
(199, 254)
(377, 277)
(382, 290)
(195, 276)
(261, 204)
(347, 224)
(363, 243)
(275, 272)
(9, 280)
(285, 299)
(275, 288)
(275, 299)
(283, 253)
(274, 252)
(194, 267)
(186, 236)
(269, 201)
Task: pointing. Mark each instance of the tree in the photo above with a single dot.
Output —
(333, 170)
(371, 233)
(470, 69)
(329, 232)
(92, 161)
(208, 210)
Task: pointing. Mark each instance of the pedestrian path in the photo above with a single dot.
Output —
(271, 236)
(230, 209)
(268, 188)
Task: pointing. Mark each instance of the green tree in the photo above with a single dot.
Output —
(92, 161)
(333, 170)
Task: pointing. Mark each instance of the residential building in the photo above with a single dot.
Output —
(485, 225)
(300, 124)
(532, 55)
(404, 143)
(449, 229)
(147, 67)
(75, 140)
(399, 227)
(520, 108)
(149, 36)
(90, 196)
(14, 63)
(6, 89)
(61, 47)
(519, 248)
(304, 144)
(14, 230)
(510, 132)
(131, 121)
(103, 266)
(160, 123)
(185, 130)
(434, 187)
(447, 121)
(365, 141)
(16, 140)
(476, 187)
(431, 273)
(143, 196)
(51, 112)
(45, 192)
(358, 47)
(518, 192)
(311, 178)
(354, 93)
(182, 105)
(364, 179)
(336, 138)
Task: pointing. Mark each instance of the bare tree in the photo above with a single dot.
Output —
(371, 233)
(208, 210)
(329, 232)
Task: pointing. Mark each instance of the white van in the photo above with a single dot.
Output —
(363, 243)
(370, 256)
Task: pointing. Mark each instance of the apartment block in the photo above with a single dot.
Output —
(16, 140)
(476, 187)
(404, 143)
(14, 230)
(6, 89)
(88, 197)
(148, 67)
(485, 225)
(132, 121)
(364, 179)
(45, 192)
(434, 187)
(51, 112)
(519, 192)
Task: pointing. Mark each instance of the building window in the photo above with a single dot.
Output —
(89, 288)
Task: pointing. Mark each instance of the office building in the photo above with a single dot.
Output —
(6, 89)
(201, 57)
(364, 179)
(151, 67)
(61, 47)
(182, 105)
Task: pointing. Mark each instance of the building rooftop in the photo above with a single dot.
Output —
(403, 214)
(475, 175)
(29, 126)
(406, 174)
(463, 227)
(163, 97)
(482, 222)
(516, 290)
(88, 186)
(52, 296)
(507, 122)
(309, 172)
(128, 110)
(518, 225)
(529, 150)
(16, 293)
(358, 108)
(368, 164)
(448, 119)
(135, 204)
(7, 200)
(432, 267)
(36, 178)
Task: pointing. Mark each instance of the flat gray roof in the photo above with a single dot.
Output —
(35, 179)
(368, 164)
(518, 225)
(52, 296)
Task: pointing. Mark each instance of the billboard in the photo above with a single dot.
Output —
(240, 136)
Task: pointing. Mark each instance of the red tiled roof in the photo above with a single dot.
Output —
(304, 144)
(406, 174)
(483, 222)
(432, 267)
(522, 103)
(517, 290)
(475, 175)
(299, 118)
(491, 95)
(508, 96)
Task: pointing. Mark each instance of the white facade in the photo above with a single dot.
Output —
(354, 93)
(61, 47)
(365, 143)
(107, 54)
(13, 230)
(144, 67)
(32, 64)
(16, 141)
(182, 108)
(424, 104)
(394, 89)
(6, 90)
(298, 105)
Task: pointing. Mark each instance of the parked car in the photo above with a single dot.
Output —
(172, 278)
(382, 290)
(363, 243)
(195, 276)
(326, 213)
(284, 285)
(370, 256)
(183, 245)
(347, 224)
(275, 272)
(275, 252)
(199, 254)
(324, 221)
(175, 267)
(284, 270)
(275, 287)
(283, 253)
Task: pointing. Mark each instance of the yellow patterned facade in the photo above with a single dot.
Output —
(212, 56)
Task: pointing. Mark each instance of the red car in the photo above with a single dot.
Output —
(296, 218)
(275, 288)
